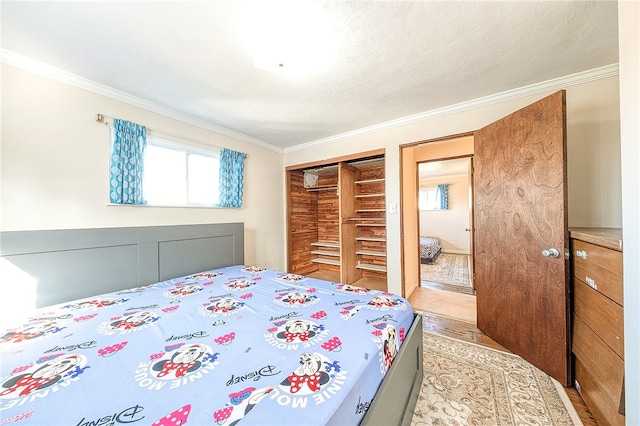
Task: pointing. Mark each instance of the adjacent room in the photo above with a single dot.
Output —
(319, 212)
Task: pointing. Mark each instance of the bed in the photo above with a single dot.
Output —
(429, 249)
(186, 333)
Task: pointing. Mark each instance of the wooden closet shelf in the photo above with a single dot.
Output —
(322, 188)
(374, 239)
(369, 218)
(326, 261)
(332, 244)
(372, 253)
(371, 210)
(361, 182)
(370, 195)
(372, 267)
(326, 253)
(371, 224)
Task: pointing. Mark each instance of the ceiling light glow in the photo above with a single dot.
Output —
(292, 37)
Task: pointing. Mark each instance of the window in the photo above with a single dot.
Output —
(429, 199)
(177, 175)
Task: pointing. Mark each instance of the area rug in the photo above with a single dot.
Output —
(468, 384)
(448, 269)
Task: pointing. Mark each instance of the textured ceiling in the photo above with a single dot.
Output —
(443, 168)
(378, 60)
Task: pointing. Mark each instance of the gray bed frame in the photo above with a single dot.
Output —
(75, 263)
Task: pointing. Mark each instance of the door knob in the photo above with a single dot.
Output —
(550, 252)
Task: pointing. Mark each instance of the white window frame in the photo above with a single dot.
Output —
(187, 150)
(423, 199)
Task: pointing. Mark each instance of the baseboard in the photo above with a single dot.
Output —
(453, 251)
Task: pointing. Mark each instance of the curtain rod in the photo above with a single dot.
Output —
(104, 119)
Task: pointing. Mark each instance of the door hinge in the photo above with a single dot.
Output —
(566, 253)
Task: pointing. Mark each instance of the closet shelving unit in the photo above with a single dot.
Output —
(337, 220)
(371, 220)
(328, 251)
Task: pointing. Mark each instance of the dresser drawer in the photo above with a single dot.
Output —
(604, 367)
(600, 314)
(603, 410)
(598, 267)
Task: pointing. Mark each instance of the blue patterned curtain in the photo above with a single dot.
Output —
(443, 191)
(127, 162)
(231, 178)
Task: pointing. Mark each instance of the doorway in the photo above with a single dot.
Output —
(454, 305)
(455, 147)
(445, 217)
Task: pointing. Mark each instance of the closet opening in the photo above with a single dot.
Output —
(336, 220)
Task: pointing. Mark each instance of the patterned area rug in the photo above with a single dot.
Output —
(467, 384)
(448, 269)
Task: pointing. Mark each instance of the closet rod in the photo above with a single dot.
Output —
(107, 121)
(321, 189)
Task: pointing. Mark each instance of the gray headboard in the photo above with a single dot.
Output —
(73, 263)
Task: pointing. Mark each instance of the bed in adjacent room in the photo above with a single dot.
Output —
(228, 344)
(429, 249)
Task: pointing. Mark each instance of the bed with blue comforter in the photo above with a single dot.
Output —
(236, 344)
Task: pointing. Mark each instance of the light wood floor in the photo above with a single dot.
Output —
(447, 314)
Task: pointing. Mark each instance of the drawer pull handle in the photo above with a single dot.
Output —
(591, 283)
(582, 254)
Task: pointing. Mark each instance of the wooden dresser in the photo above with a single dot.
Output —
(598, 340)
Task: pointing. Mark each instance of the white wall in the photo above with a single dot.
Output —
(591, 105)
(55, 168)
(593, 155)
(449, 224)
(629, 52)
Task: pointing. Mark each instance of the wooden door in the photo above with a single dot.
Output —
(520, 211)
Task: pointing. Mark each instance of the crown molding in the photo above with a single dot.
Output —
(45, 70)
(521, 92)
(48, 71)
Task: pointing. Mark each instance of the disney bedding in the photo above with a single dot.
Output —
(236, 344)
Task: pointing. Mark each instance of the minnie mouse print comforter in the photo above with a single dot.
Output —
(240, 344)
